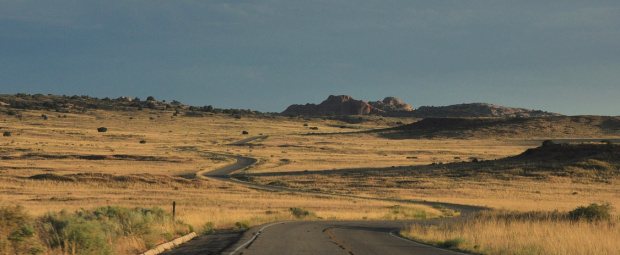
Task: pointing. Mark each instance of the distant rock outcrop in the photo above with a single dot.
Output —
(478, 110)
(391, 106)
(346, 105)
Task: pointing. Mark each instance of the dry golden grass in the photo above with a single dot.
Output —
(163, 169)
(114, 168)
(494, 233)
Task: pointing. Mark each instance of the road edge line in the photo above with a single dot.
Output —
(411, 241)
(255, 236)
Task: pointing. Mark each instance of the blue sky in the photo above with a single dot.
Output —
(557, 56)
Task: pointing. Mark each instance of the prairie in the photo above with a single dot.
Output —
(150, 158)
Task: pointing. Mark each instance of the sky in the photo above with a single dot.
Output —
(556, 56)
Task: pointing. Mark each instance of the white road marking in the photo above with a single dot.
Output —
(255, 236)
(411, 241)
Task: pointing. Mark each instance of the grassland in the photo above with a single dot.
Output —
(63, 163)
(149, 158)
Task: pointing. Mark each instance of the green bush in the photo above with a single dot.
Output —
(593, 212)
(94, 231)
(69, 232)
(208, 228)
(6, 133)
(17, 233)
(300, 212)
(242, 224)
(102, 129)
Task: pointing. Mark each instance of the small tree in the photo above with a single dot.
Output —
(102, 129)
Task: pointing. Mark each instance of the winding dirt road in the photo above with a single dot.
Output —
(313, 237)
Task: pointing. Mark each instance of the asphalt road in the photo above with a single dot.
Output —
(331, 237)
(313, 237)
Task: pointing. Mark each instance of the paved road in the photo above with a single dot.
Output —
(313, 237)
(331, 237)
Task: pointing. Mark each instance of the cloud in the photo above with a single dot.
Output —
(309, 46)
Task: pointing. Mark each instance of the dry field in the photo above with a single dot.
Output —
(151, 158)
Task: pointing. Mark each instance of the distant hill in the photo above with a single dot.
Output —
(76, 103)
(478, 110)
(523, 128)
(391, 106)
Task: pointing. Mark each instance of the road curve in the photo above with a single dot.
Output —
(317, 237)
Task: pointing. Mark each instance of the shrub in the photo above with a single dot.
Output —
(94, 231)
(452, 243)
(208, 228)
(102, 129)
(71, 232)
(17, 232)
(242, 224)
(142, 141)
(300, 212)
(245, 133)
(593, 212)
(6, 133)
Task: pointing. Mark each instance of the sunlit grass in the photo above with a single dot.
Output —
(163, 169)
(504, 232)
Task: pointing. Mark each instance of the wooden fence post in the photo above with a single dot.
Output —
(174, 209)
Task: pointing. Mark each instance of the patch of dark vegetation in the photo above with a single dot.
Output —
(109, 178)
(52, 177)
(300, 212)
(39, 156)
(278, 183)
(592, 212)
(93, 157)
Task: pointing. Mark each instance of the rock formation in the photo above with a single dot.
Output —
(478, 110)
(346, 105)
(391, 106)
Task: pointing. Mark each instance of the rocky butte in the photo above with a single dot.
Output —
(391, 106)
(346, 105)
